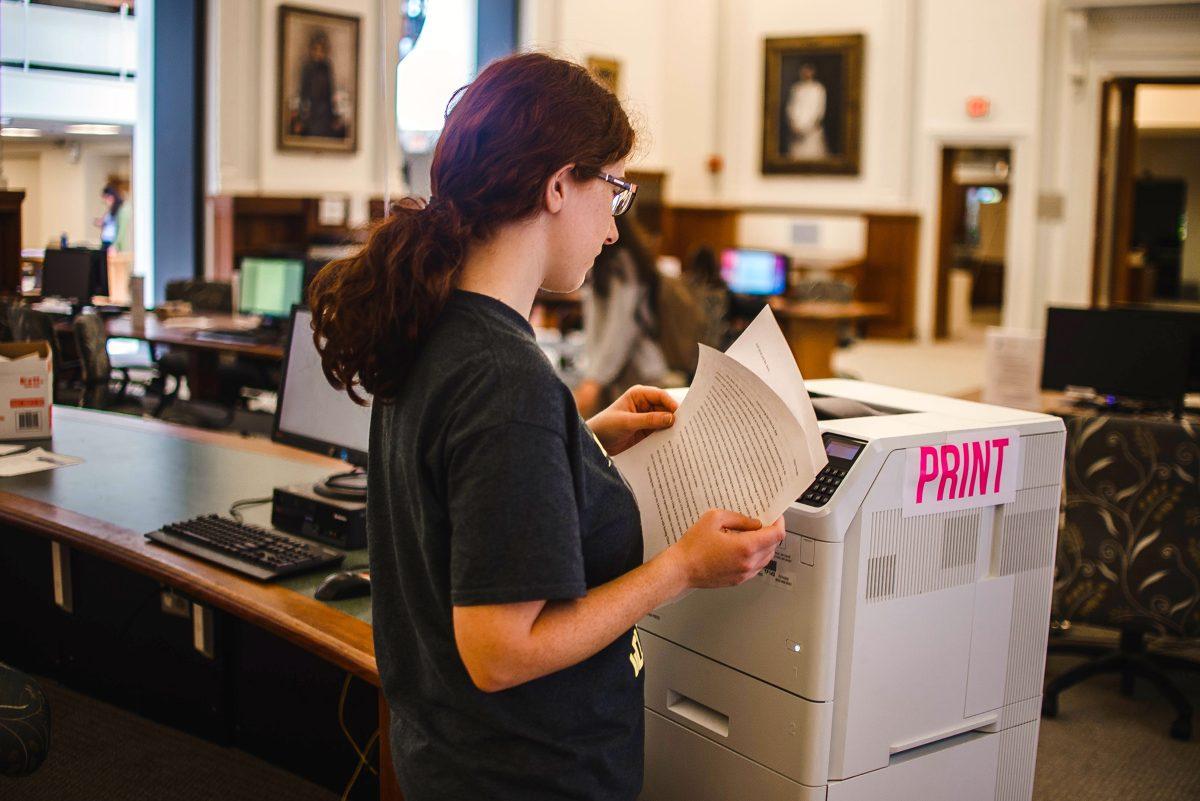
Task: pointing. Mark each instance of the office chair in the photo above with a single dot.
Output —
(214, 297)
(91, 339)
(30, 325)
(205, 296)
(24, 723)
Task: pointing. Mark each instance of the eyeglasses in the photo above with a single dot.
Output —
(623, 199)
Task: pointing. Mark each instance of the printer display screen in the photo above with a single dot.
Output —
(842, 450)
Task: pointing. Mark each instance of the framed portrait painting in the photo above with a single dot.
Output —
(812, 105)
(606, 71)
(317, 107)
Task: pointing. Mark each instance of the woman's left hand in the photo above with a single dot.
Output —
(634, 416)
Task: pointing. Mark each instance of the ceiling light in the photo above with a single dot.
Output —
(96, 130)
(23, 133)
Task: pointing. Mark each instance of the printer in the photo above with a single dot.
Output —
(894, 649)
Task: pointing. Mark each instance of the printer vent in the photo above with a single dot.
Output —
(959, 540)
(1042, 462)
(881, 577)
(1029, 531)
(916, 555)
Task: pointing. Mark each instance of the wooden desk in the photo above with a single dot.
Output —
(205, 356)
(154, 331)
(138, 475)
(811, 328)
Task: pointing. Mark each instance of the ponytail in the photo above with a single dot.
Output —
(369, 315)
(524, 118)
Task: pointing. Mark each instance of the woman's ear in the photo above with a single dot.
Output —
(557, 188)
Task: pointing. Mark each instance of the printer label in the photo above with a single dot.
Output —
(964, 472)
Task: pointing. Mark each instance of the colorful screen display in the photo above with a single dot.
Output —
(754, 272)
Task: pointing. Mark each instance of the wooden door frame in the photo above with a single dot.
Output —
(949, 206)
(1111, 282)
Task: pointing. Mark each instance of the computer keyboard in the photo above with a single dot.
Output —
(237, 337)
(252, 550)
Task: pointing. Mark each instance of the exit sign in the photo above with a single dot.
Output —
(978, 107)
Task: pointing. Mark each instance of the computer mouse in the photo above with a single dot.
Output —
(344, 584)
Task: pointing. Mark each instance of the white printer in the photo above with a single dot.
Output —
(894, 650)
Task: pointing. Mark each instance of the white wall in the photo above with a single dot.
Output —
(1085, 48)
(694, 72)
(979, 48)
(62, 194)
(242, 153)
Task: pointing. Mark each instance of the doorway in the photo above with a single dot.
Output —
(972, 239)
(1148, 193)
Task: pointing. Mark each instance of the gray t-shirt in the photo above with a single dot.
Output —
(486, 487)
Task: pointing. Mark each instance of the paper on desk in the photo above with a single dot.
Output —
(5, 450)
(34, 461)
(187, 322)
(740, 441)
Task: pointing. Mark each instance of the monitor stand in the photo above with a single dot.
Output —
(350, 486)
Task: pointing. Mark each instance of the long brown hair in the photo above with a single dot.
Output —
(523, 118)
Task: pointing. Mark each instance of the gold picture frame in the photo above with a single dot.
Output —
(812, 105)
(317, 80)
(606, 71)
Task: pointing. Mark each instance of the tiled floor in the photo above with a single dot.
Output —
(945, 367)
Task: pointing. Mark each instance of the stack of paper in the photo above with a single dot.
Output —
(745, 438)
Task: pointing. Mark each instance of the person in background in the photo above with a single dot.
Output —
(114, 225)
(620, 323)
(703, 275)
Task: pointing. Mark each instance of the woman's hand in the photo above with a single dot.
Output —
(724, 549)
(634, 416)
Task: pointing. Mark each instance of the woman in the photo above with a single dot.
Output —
(704, 278)
(506, 554)
(114, 225)
(620, 323)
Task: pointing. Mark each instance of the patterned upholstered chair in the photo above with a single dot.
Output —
(24, 724)
(1129, 550)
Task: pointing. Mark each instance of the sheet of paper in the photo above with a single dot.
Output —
(763, 348)
(5, 450)
(736, 444)
(1013, 368)
(34, 461)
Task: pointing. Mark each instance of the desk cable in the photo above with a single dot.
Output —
(365, 751)
(236, 507)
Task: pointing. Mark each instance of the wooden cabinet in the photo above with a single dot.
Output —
(263, 226)
(10, 241)
(887, 274)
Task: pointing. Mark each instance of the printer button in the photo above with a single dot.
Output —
(808, 551)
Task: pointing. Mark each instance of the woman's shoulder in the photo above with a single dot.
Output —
(492, 379)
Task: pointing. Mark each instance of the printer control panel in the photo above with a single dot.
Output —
(841, 452)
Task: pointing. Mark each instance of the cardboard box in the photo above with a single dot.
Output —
(26, 390)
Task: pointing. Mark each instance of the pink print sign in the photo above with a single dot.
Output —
(964, 472)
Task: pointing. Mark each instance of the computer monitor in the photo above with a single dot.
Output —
(312, 415)
(754, 272)
(75, 273)
(1189, 319)
(270, 287)
(1124, 353)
